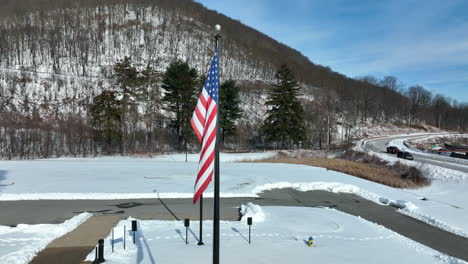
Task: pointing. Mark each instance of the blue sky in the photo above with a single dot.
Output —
(419, 42)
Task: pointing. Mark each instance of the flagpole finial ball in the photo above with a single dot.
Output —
(218, 27)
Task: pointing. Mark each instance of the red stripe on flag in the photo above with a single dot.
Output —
(202, 188)
(202, 99)
(208, 143)
(195, 129)
(205, 166)
(200, 117)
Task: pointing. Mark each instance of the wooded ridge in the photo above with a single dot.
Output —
(57, 56)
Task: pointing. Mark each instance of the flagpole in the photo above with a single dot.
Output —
(200, 242)
(216, 169)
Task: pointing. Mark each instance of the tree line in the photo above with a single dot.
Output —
(59, 81)
(146, 111)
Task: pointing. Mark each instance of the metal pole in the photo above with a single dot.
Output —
(186, 235)
(101, 251)
(216, 180)
(112, 240)
(249, 234)
(125, 235)
(200, 241)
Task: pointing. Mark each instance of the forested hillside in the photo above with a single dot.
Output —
(57, 56)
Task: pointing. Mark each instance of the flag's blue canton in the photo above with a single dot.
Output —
(212, 80)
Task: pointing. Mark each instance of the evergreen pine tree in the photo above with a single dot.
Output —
(179, 82)
(284, 123)
(130, 82)
(106, 115)
(132, 87)
(229, 110)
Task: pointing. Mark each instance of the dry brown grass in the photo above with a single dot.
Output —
(142, 154)
(365, 171)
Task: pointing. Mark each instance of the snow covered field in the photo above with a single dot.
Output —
(279, 235)
(170, 177)
(20, 244)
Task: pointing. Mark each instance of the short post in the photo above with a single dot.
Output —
(186, 224)
(134, 229)
(249, 222)
(125, 234)
(200, 241)
(101, 251)
(112, 240)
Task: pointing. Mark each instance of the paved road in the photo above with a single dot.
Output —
(14, 212)
(379, 145)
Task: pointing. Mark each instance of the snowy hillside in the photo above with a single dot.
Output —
(76, 63)
(57, 56)
(59, 64)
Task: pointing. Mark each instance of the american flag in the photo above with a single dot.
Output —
(204, 124)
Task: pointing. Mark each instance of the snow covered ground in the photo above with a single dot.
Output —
(445, 200)
(279, 235)
(20, 244)
(170, 177)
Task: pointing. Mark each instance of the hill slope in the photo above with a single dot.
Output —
(57, 55)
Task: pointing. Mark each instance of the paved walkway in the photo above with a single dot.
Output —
(73, 247)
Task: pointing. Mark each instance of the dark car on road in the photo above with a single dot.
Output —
(392, 150)
(405, 155)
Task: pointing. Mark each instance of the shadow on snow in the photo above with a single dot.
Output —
(142, 246)
(3, 177)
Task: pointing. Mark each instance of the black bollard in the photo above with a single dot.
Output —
(186, 224)
(112, 240)
(249, 222)
(134, 229)
(101, 251)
